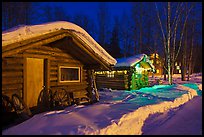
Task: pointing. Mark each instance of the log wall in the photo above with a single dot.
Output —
(120, 81)
(12, 76)
(12, 70)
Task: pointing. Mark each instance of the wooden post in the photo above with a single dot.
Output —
(94, 85)
(89, 89)
(24, 80)
(47, 82)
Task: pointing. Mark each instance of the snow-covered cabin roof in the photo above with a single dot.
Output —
(132, 61)
(26, 32)
(129, 61)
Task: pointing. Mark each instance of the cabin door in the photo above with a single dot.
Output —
(34, 80)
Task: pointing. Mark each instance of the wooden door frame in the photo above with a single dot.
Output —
(46, 75)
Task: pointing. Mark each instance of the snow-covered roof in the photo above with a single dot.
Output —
(20, 33)
(129, 61)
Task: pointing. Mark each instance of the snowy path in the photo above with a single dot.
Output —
(117, 113)
(187, 120)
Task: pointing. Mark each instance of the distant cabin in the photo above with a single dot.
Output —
(158, 63)
(128, 74)
(51, 56)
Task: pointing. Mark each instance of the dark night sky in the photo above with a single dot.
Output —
(91, 8)
(114, 8)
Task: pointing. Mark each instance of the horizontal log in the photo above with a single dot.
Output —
(66, 61)
(9, 93)
(80, 94)
(111, 84)
(12, 74)
(54, 68)
(12, 67)
(110, 80)
(18, 55)
(12, 86)
(43, 52)
(31, 55)
(115, 76)
(53, 78)
(48, 47)
(71, 88)
(12, 61)
(53, 73)
(55, 83)
(12, 80)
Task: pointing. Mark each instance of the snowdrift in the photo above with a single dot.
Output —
(132, 123)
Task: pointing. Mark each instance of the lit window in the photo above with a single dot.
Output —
(110, 74)
(157, 70)
(69, 74)
(178, 67)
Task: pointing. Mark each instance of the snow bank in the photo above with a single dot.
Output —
(200, 86)
(25, 32)
(117, 112)
(133, 122)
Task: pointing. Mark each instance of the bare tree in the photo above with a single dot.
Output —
(125, 33)
(103, 20)
(15, 13)
(138, 17)
(59, 14)
(114, 49)
(169, 35)
(85, 22)
(191, 53)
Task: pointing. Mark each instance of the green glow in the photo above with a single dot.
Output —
(162, 91)
(139, 79)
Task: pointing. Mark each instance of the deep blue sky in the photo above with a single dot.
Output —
(91, 8)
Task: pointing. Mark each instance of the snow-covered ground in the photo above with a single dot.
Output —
(117, 112)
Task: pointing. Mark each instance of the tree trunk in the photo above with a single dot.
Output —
(190, 58)
(164, 69)
(141, 14)
(168, 45)
(183, 63)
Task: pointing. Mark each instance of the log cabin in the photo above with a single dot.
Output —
(129, 73)
(158, 63)
(51, 56)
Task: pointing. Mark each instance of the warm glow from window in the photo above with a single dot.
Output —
(110, 74)
(69, 74)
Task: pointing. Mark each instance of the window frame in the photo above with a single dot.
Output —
(67, 81)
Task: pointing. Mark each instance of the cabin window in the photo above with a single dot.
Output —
(69, 74)
(110, 74)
